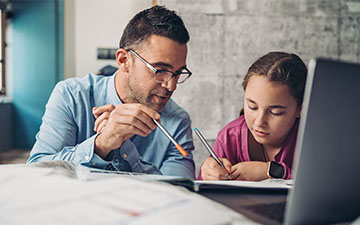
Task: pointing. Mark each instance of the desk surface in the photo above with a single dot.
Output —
(239, 199)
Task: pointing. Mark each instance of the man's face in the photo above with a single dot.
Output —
(164, 54)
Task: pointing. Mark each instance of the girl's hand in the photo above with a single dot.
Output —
(250, 171)
(211, 170)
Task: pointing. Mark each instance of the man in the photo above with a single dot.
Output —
(151, 62)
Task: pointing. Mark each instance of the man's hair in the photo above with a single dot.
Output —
(156, 20)
(281, 68)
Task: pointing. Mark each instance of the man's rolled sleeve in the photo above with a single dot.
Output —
(129, 152)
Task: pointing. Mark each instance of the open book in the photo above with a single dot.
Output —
(199, 185)
(86, 173)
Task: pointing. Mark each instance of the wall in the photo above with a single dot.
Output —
(90, 24)
(226, 36)
(37, 63)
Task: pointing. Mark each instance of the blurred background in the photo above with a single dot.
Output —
(45, 41)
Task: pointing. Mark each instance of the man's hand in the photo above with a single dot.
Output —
(211, 170)
(117, 124)
(250, 171)
(102, 115)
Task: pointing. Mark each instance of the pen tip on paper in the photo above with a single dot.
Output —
(229, 177)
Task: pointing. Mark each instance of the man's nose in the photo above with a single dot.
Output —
(170, 85)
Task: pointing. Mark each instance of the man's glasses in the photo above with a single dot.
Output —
(165, 75)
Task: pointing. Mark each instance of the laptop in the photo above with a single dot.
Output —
(327, 159)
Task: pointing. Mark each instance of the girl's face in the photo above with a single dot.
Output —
(270, 110)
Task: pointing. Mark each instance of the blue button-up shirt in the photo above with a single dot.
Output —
(67, 132)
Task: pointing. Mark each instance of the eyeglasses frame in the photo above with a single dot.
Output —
(156, 71)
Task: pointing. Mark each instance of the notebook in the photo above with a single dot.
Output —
(327, 160)
(87, 173)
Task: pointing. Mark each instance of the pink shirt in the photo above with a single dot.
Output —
(232, 143)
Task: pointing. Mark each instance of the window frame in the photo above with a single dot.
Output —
(2, 56)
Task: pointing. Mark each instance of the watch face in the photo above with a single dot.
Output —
(276, 170)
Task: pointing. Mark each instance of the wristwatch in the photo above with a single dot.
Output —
(275, 170)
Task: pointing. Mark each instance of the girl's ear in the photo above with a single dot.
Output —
(123, 60)
(298, 114)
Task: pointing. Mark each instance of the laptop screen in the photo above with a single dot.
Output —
(327, 160)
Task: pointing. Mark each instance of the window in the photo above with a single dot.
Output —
(2, 53)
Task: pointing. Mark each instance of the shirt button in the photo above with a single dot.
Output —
(87, 158)
(125, 155)
(94, 164)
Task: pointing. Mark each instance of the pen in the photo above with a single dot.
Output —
(212, 153)
(178, 146)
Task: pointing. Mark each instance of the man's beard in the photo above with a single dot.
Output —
(148, 100)
(157, 106)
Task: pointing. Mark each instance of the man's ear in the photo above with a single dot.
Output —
(123, 60)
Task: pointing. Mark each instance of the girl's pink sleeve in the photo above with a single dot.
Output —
(287, 171)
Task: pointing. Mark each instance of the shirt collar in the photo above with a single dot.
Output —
(113, 96)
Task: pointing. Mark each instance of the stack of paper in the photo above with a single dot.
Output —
(31, 195)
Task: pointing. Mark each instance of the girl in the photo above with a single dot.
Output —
(260, 143)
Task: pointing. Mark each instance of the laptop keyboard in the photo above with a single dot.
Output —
(273, 211)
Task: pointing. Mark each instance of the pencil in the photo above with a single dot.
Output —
(212, 153)
(178, 146)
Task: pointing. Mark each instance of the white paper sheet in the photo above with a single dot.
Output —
(38, 196)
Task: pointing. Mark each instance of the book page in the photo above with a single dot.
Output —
(86, 173)
(265, 184)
